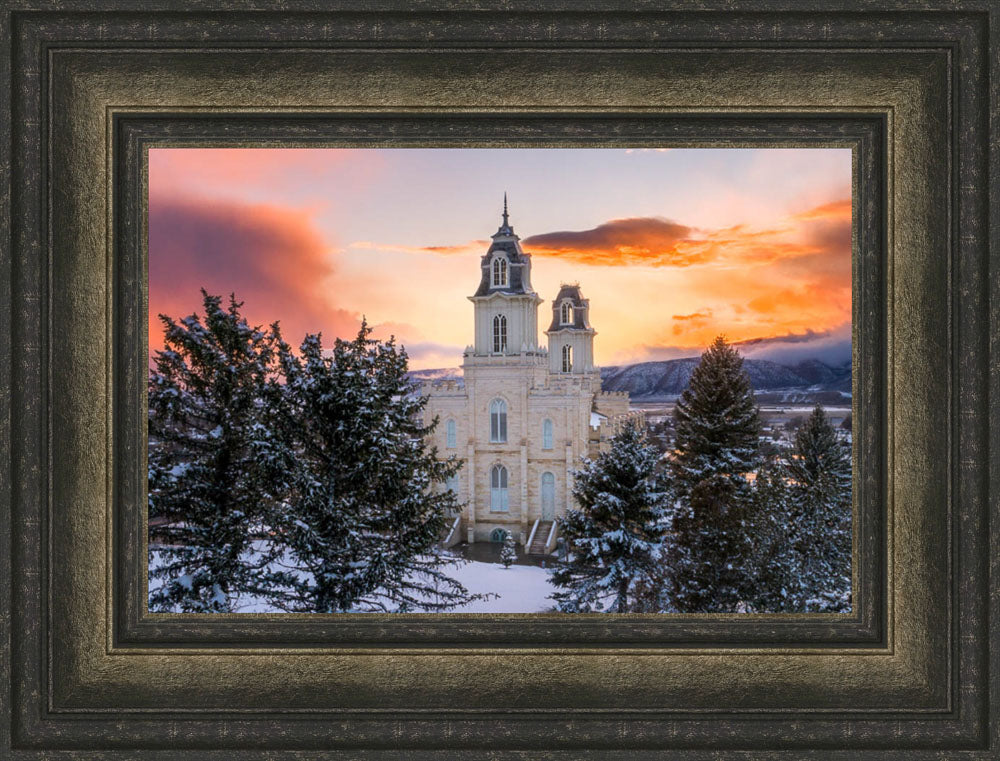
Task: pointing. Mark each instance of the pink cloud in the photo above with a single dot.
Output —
(272, 258)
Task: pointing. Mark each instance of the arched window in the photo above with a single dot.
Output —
(451, 434)
(548, 497)
(499, 535)
(498, 489)
(567, 358)
(566, 313)
(498, 421)
(499, 271)
(546, 434)
(500, 333)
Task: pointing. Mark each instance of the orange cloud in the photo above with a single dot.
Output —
(834, 210)
(790, 277)
(271, 257)
(703, 314)
(646, 241)
(459, 248)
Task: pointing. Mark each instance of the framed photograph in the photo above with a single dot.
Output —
(380, 444)
(557, 380)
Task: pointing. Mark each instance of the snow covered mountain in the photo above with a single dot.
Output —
(668, 378)
(808, 381)
(438, 373)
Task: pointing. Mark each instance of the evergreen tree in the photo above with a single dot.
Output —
(771, 583)
(508, 553)
(615, 537)
(820, 469)
(365, 508)
(717, 431)
(205, 484)
(716, 420)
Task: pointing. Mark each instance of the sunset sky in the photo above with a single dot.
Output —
(672, 247)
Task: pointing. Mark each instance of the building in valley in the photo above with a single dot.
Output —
(524, 414)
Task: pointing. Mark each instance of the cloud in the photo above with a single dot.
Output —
(831, 346)
(752, 344)
(424, 350)
(479, 246)
(649, 241)
(271, 257)
(702, 314)
(234, 173)
(840, 209)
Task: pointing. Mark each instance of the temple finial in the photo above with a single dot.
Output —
(505, 222)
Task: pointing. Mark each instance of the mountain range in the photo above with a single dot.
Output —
(807, 381)
(810, 380)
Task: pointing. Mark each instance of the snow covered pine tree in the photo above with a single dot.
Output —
(508, 553)
(716, 440)
(820, 469)
(615, 538)
(772, 565)
(365, 508)
(207, 495)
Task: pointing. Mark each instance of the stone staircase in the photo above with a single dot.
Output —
(541, 536)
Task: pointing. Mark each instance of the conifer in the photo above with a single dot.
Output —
(365, 508)
(615, 537)
(717, 431)
(208, 496)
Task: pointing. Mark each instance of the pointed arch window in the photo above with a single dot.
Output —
(498, 489)
(499, 271)
(451, 434)
(500, 334)
(567, 358)
(498, 421)
(546, 434)
(566, 313)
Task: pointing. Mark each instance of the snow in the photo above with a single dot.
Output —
(521, 588)
(518, 589)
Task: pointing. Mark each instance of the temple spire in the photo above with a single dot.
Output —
(505, 230)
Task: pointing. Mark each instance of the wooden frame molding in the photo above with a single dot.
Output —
(908, 87)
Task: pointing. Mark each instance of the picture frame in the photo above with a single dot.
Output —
(911, 87)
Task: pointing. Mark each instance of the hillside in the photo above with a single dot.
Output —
(809, 381)
(668, 378)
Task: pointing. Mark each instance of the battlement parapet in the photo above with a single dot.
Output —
(615, 424)
(613, 395)
(442, 387)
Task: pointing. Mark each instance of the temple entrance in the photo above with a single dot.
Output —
(548, 497)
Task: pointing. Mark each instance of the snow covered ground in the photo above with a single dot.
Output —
(521, 588)
(518, 589)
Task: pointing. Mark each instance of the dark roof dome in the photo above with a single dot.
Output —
(508, 244)
(580, 316)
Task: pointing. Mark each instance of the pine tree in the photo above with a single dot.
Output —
(615, 537)
(820, 468)
(717, 431)
(772, 580)
(508, 553)
(716, 420)
(365, 508)
(205, 484)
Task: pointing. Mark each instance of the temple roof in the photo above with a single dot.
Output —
(506, 242)
(581, 309)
